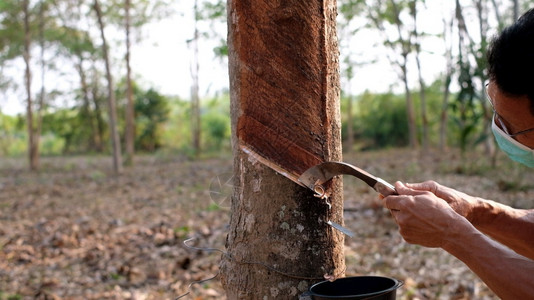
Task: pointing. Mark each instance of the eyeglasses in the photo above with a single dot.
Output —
(500, 120)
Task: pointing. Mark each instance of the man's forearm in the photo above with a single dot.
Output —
(509, 226)
(505, 272)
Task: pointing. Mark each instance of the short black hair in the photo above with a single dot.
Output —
(511, 58)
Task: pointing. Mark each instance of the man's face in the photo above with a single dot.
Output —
(514, 114)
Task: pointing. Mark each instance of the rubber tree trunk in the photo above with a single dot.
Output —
(284, 86)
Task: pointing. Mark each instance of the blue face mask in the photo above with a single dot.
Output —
(514, 149)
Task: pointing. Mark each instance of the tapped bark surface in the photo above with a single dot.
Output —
(284, 85)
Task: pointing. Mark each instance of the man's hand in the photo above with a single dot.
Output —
(423, 218)
(462, 203)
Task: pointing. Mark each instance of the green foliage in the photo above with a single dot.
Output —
(6, 296)
(466, 111)
(217, 128)
(349, 9)
(215, 120)
(177, 133)
(76, 41)
(381, 121)
(151, 112)
(12, 136)
(214, 12)
(164, 124)
(69, 130)
(221, 50)
(182, 232)
(43, 23)
(51, 145)
(434, 99)
(216, 124)
(11, 29)
(66, 131)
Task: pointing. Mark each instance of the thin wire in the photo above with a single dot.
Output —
(196, 282)
(241, 262)
(199, 249)
(202, 248)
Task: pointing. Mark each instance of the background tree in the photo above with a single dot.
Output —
(143, 12)
(447, 79)
(129, 133)
(79, 47)
(208, 17)
(195, 98)
(470, 112)
(19, 39)
(112, 110)
(348, 28)
(33, 140)
(386, 17)
(416, 41)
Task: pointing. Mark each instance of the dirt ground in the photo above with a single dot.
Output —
(74, 231)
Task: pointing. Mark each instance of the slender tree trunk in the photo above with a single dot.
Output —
(350, 121)
(114, 132)
(444, 113)
(98, 113)
(130, 113)
(422, 85)
(403, 65)
(424, 115)
(89, 116)
(42, 94)
(447, 33)
(33, 147)
(482, 13)
(284, 84)
(410, 111)
(100, 123)
(195, 99)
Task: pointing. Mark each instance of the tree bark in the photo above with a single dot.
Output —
(112, 107)
(284, 85)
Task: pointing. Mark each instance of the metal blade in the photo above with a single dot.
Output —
(321, 173)
(344, 230)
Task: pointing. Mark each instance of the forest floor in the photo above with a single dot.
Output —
(74, 231)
